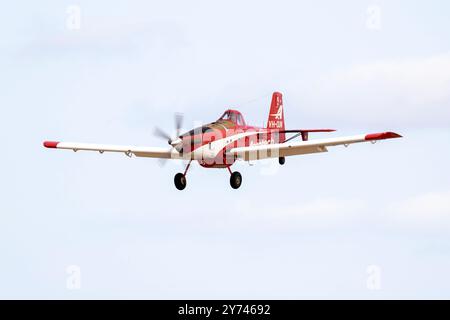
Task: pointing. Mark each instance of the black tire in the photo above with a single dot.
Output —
(281, 160)
(235, 180)
(180, 181)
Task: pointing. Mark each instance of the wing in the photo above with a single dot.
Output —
(304, 147)
(148, 152)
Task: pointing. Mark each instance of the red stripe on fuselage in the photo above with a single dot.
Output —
(256, 136)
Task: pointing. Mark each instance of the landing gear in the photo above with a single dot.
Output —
(180, 178)
(235, 179)
(281, 160)
(180, 181)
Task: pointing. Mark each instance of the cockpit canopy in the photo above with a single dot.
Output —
(230, 115)
(233, 116)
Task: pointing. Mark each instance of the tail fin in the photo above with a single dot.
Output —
(276, 115)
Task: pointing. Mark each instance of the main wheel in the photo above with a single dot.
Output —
(180, 181)
(235, 180)
(281, 160)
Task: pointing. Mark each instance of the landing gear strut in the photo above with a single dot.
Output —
(235, 179)
(180, 178)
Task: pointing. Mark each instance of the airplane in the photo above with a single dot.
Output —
(221, 143)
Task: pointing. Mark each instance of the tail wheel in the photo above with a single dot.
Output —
(180, 181)
(235, 180)
(281, 160)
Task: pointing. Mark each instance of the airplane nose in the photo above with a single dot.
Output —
(175, 142)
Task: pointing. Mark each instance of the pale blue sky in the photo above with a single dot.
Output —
(307, 230)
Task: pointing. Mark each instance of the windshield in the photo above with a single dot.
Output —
(228, 116)
(233, 116)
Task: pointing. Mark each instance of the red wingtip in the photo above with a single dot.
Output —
(382, 136)
(51, 144)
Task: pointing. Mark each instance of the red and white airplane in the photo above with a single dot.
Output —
(220, 143)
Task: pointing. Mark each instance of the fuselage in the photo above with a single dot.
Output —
(209, 143)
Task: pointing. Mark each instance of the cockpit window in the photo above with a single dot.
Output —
(233, 116)
(225, 116)
(240, 120)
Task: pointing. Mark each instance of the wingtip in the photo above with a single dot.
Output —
(51, 144)
(383, 136)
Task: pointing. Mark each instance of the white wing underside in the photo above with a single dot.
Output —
(304, 147)
(256, 152)
(149, 152)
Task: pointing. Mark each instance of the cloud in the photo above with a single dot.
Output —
(425, 212)
(103, 41)
(406, 92)
(429, 210)
(317, 213)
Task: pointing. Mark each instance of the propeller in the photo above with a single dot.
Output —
(173, 141)
(178, 122)
(162, 134)
(178, 117)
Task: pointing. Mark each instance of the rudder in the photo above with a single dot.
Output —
(276, 115)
